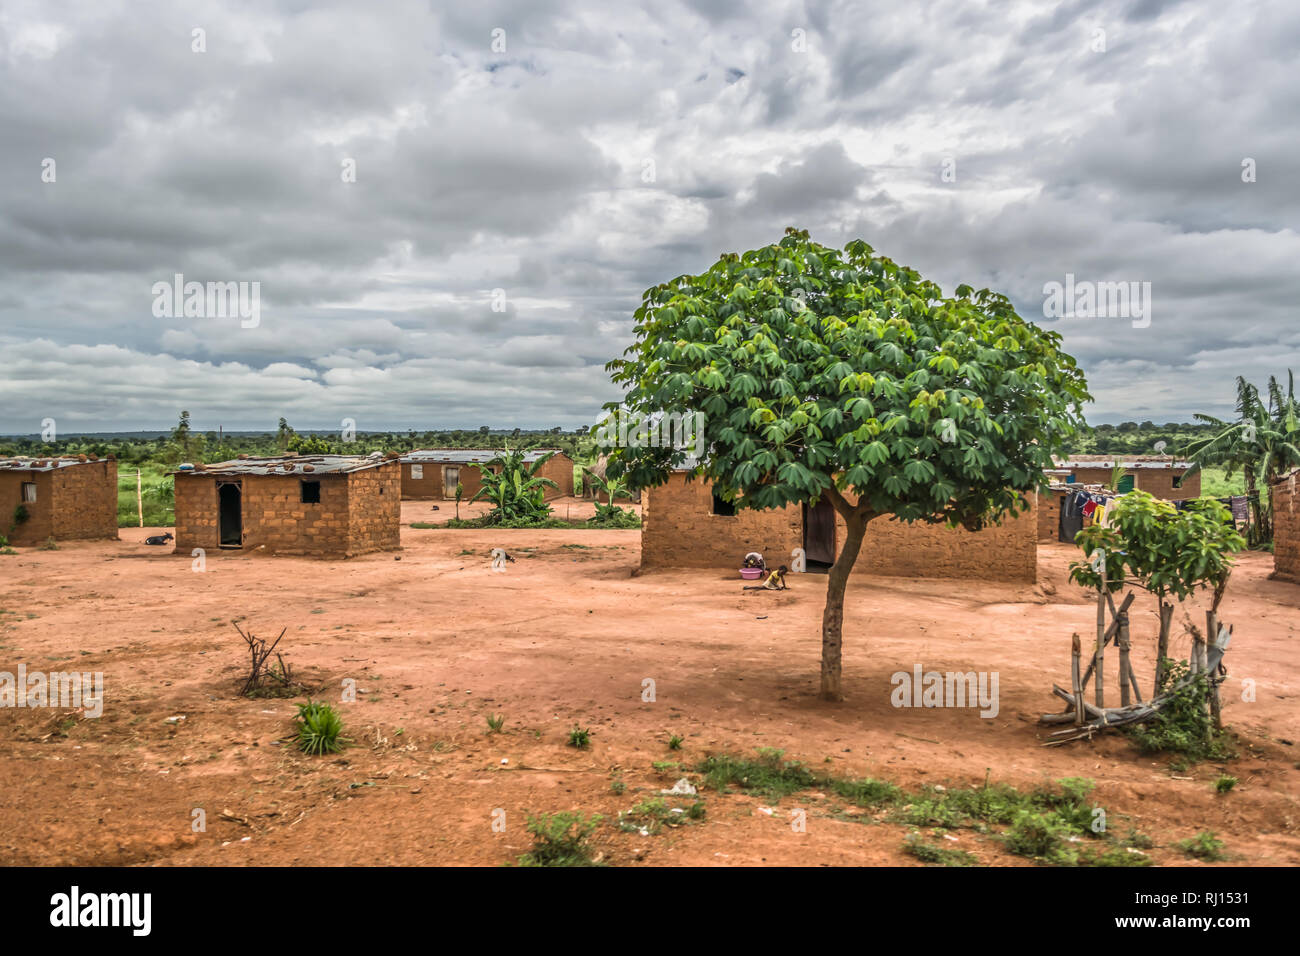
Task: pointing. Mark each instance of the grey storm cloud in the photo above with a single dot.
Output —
(452, 209)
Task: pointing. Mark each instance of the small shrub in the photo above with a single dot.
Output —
(1225, 783)
(1139, 840)
(769, 775)
(319, 726)
(1041, 836)
(617, 786)
(1116, 856)
(560, 839)
(49, 545)
(933, 855)
(495, 722)
(579, 737)
(674, 742)
(867, 792)
(1204, 846)
(615, 518)
(1182, 727)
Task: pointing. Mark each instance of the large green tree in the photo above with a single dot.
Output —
(839, 375)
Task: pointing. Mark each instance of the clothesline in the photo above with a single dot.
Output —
(1082, 504)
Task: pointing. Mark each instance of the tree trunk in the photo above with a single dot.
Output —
(1162, 645)
(1268, 512)
(1261, 531)
(833, 615)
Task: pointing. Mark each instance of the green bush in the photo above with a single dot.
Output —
(560, 839)
(515, 489)
(1182, 726)
(934, 855)
(1204, 846)
(319, 726)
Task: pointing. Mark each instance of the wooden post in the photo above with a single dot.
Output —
(1075, 684)
(1216, 705)
(139, 498)
(1194, 654)
(1125, 665)
(1100, 654)
(1211, 688)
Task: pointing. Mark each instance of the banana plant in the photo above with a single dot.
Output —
(1264, 444)
(612, 488)
(515, 489)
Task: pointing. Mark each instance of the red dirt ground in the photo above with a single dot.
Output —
(436, 640)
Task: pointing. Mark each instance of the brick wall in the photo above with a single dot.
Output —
(352, 517)
(195, 513)
(1049, 515)
(679, 528)
(1286, 529)
(72, 503)
(1154, 481)
(430, 487)
(1161, 484)
(560, 470)
(375, 509)
(85, 501)
(40, 521)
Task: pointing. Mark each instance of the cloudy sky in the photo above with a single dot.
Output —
(388, 172)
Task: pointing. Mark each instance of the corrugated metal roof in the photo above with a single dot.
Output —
(289, 465)
(43, 464)
(1128, 461)
(467, 456)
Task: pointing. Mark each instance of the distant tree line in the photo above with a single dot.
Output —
(183, 443)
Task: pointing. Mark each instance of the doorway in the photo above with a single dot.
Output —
(230, 515)
(450, 479)
(819, 535)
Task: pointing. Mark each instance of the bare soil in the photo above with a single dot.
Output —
(436, 640)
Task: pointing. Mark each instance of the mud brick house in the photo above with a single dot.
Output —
(318, 505)
(63, 498)
(1286, 529)
(685, 525)
(432, 473)
(1157, 475)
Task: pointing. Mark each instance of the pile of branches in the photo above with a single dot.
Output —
(265, 677)
(1094, 719)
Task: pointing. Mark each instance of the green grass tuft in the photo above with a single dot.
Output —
(560, 839)
(319, 726)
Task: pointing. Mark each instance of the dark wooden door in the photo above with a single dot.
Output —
(230, 515)
(819, 532)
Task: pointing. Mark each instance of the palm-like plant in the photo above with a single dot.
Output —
(515, 489)
(1264, 443)
(612, 488)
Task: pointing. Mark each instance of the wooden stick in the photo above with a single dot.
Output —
(1137, 694)
(139, 498)
(1075, 684)
(1125, 665)
(1092, 709)
(1110, 632)
(1099, 657)
(1212, 692)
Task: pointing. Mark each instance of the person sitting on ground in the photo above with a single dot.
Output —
(775, 581)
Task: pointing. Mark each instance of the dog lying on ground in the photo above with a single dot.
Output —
(158, 538)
